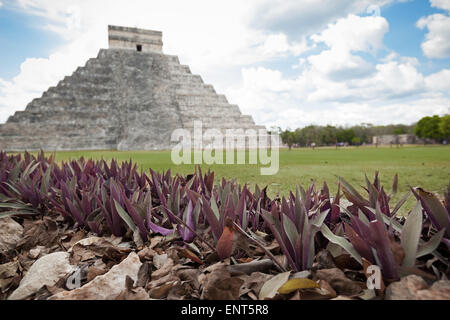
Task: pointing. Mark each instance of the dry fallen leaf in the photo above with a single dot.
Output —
(159, 260)
(164, 270)
(219, 285)
(326, 287)
(190, 255)
(39, 232)
(8, 270)
(339, 282)
(94, 272)
(143, 275)
(270, 288)
(161, 291)
(131, 292)
(223, 289)
(297, 283)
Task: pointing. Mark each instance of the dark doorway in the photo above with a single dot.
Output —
(139, 47)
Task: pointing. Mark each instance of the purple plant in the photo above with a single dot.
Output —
(437, 212)
(295, 227)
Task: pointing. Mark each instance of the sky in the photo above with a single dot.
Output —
(288, 63)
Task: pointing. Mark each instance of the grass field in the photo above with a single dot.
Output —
(428, 167)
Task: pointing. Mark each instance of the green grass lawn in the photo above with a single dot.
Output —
(428, 167)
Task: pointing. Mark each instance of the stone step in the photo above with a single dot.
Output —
(179, 68)
(172, 59)
(65, 103)
(189, 125)
(223, 110)
(68, 117)
(88, 79)
(79, 90)
(187, 87)
(76, 95)
(96, 63)
(61, 143)
(195, 90)
(75, 85)
(217, 117)
(203, 99)
(185, 78)
(217, 106)
(93, 71)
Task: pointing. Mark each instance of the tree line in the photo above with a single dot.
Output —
(435, 128)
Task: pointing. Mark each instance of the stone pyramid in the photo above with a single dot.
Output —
(130, 97)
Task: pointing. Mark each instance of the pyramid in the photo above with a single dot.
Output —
(130, 97)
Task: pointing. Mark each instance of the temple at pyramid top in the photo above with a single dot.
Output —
(134, 39)
(131, 96)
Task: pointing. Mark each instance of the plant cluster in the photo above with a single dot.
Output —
(111, 198)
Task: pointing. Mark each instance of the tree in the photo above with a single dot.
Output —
(356, 141)
(345, 135)
(429, 128)
(444, 127)
(288, 137)
(399, 130)
(328, 135)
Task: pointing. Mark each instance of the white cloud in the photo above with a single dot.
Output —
(277, 101)
(337, 86)
(346, 36)
(437, 40)
(266, 93)
(439, 81)
(441, 4)
(306, 16)
(355, 33)
(37, 74)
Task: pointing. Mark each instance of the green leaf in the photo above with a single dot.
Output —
(363, 218)
(46, 181)
(411, 235)
(30, 169)
(12, 188)
(124, 215)
(214, 208)
(320, 218)
(340, 241)
(394, 186)
(18, 206)
(4, 198)
(431, 245)
(373, 193)
(290, 230)
(400, 204)
(11, 213)
(350, 191)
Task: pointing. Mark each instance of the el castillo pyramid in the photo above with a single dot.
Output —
(130, 97)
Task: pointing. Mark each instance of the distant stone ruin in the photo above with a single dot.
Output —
(390, 139)
(130, 97)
